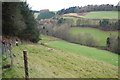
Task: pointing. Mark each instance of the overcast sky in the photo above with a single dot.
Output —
(55, 5)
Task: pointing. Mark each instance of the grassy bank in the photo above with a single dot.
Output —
(60, 61)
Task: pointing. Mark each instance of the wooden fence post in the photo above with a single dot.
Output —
(26, 65)
(6, 47)
(11, 54)
(3, 47)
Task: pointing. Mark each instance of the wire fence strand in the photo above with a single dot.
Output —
(18, 61)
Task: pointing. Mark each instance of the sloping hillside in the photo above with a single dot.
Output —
(95, 15)
(46, 62)
(102, 15)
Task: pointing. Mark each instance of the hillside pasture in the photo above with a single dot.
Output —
(71, 20)
(36, 15)
(71, 14)
(89, 52)
(61, 62)
(99, 35)
(91, 18)
(96, 15)
(102, 15)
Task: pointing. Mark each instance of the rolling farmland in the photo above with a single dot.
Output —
(60, 59)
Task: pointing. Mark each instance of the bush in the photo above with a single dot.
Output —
(90, 41)
(84, 38)
(114, 44)
(60, 21)
(104, 22)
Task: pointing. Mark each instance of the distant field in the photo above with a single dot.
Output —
(73, 20)
(96, 15)
(97, 34)
(36, 14)
(71, 14)
(89, 17)
(102, 15)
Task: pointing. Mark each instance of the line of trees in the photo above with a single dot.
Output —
(113, 43)
(18, 20)
(105, 24)
(88, 8)
(62, 30)
(46, 15)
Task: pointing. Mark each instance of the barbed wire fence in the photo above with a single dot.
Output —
(7, 53)
(15, 57)
(8, 56)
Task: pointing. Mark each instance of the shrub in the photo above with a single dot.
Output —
(114, 44)
(60, 21)
(104, 22)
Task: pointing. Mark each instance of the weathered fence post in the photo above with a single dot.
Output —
(3, 47)
(11, 54)
(26, 65)
(6, 47)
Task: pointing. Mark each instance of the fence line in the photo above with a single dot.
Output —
(11, 54)
(6, 49)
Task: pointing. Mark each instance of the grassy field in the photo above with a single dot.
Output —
(97, 34)
(102, 15)
(36, 14)
(89, 17)
(97, 15)
(71, 14)
(61, 62)
(101, 55)
(73, 20)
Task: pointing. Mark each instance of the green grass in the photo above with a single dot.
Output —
(101, 55)
(46, 39)
(36, 14)
(61, 62)
(97, 15)
(97, 34)
(87, 19)
(73, 20)
(102, 15)
(45, 63)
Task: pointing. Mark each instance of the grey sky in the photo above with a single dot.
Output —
(55, 5)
